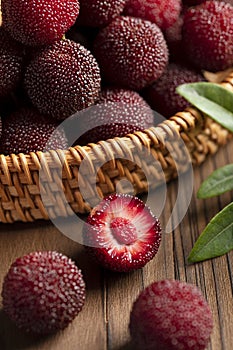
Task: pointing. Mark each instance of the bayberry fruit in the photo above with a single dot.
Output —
(118, 113)
(208, 35)
(132, 52)
(27, 131)
(11, 62)
(43, 292)
(63, 79)
(162, 95)
(121, 233)
(38, 22)
(171, 315)
(163, 13)
(99, 13)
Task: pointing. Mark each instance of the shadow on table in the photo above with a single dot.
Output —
(11, 338)
(127, 346)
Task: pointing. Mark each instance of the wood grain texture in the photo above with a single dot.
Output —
(103, 323)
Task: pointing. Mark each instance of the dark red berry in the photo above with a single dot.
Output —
(163, 13)
(162, 95)
(171, 315)
(27, 131)
(118, 112)
(11, 61)
(132, 52)
(38, 22)
(43, 292)
(121, 233)
(208, 35)
(99, 13)
(63, 79)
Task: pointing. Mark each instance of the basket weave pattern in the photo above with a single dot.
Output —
(20, 191)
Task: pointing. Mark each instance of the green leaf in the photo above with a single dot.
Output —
(216, 239)
(211, 99)
(220, 181)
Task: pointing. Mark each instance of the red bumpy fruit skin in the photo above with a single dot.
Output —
(208, 35)
(11, 62)
(118, 112)
(171, 315)
(43, 292)
(99, 13)
(121, 233)
(63, 79)
(163, 13)
(162, 95)
(198, 2)
(38, 22)
(27, 131)
(132, 52)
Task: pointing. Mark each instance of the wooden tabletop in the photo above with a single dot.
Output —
(103, 323)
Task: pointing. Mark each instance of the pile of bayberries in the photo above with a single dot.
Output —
(59, 57)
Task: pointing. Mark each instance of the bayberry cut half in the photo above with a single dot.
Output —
(131, 52)
(38, 22)
(171, 315)
(208, 35)
(121, 233)
(43, 292)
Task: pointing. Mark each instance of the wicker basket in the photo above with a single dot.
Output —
(20, 190)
